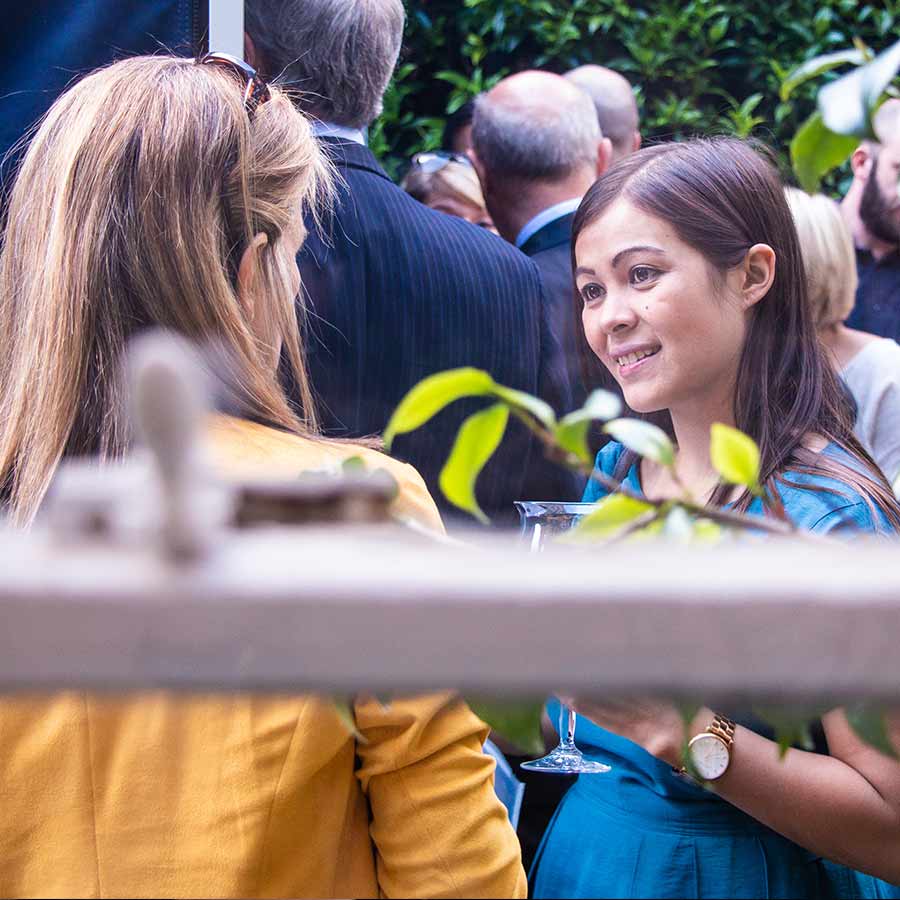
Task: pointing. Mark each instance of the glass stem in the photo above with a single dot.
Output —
(566, 728)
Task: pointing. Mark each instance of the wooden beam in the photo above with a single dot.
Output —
(344, 609)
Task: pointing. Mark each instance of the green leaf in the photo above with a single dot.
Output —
(352, 465)
(518, 722)
(460, 82)
(478, 438)
(543, 412)
(344, 710)
(718, 29)
(571, 432)
(750, 104)
(613, 513)
(822, 21)
(815, 151)
(601, 404)
(734, 456)
(643, 438)
(791, 724)
(678, 525)
(869, 724)
(431, 395)
(688, 709)
(847, 104)
(817, 66)
(649, 532)
(707, 532)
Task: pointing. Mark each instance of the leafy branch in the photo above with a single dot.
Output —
(846, 108)
(734, 455)
(621, 515)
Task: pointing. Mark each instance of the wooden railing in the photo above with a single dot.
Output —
(345, 608)
(134, 579)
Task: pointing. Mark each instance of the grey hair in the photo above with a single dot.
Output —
(515, 143)
(339, 54)
(614, 102)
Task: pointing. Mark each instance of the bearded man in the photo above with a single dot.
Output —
(871, 210)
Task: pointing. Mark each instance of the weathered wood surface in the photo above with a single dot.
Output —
(350, 608)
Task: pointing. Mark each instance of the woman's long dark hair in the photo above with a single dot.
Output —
(722, 196)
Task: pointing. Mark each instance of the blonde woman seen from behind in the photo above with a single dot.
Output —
(869, 365)
(167, 192)
(448, 183)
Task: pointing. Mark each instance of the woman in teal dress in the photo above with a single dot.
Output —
(692, 292)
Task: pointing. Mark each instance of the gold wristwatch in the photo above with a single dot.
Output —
(710, 751)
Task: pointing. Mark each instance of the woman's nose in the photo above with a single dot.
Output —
(616, 314)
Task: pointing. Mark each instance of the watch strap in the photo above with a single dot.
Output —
(722, 728)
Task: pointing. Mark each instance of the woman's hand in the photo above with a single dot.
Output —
(655, 725)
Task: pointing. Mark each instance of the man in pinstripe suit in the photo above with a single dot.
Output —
(398, 291)
(538, 148)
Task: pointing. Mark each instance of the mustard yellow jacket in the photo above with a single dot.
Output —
(157, 795)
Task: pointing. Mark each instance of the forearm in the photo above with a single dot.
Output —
(820, 802)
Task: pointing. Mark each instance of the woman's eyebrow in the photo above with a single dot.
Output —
(640, 249)
(584, 270)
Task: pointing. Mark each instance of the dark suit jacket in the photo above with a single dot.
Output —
(397, 292)
(551, 250)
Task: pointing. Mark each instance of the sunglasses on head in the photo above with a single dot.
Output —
(435, 160)
(256, 91)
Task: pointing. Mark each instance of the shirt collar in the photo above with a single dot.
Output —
(546, 217)
(329, 129)
(864, 256)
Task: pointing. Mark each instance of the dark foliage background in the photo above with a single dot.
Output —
(702, 67)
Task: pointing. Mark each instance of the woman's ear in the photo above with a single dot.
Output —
(248, 274)
(756, 274)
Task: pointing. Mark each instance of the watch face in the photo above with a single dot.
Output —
(710, 756)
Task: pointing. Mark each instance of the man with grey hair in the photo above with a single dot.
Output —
(398, 291)
(537, 147)
(617, 111)
(340, 55)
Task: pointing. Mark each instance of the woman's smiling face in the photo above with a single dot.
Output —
(655, 312)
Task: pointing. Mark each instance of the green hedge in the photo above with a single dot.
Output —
(702, 67)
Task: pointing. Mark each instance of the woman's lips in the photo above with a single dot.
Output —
(628, 369)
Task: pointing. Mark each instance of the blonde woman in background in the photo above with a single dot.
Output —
(869, 365)
(448, 183)
(167, 192)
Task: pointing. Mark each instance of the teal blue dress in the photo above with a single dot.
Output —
(642, 830)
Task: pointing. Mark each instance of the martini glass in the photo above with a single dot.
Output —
(566, 758)
(539, 522)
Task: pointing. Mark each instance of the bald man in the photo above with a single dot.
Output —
(871, 210)
(617, 111)
(537, 147)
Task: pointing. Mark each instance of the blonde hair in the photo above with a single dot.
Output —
(455, 180)
(132, 208)
(828, 256)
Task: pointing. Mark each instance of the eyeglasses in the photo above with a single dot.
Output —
(435, 160)
(256, 91)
